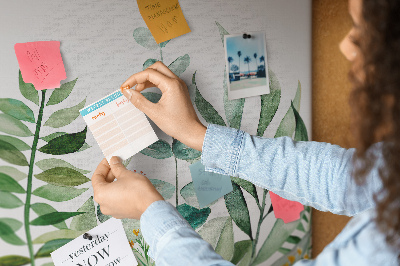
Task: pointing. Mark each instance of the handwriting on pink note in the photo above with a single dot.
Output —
(41, 63)
(287, 210)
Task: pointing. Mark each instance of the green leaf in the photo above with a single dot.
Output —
(62, 176)
(11, 154)
(51, 246)
(8, 184)
(143, 37)
(300, 227)
(152, 96)
(60, 94)
(293, 239)
(242, 252)
(149, 62)
(14, 260)
(288, 123)
(16, 109)
(129, 226)
(85, 146)
(68, 143)
(14, 173)
(283, 250)
(9, 201)
(225, 246)
(65, 116)
(28, 90)
(48, 264)
(163, 44)
(58, 193)
(300, 133)
(183, 152)
(206, 110)
(246, 185)
(13, 126)
(8, 235)
(195, 217)
(53, 136)
(269, 103)
(233, 108)
(222, 32)
(43, 208)
(189, 194)
(237, 208)
(17, 143)
(54, 218)
(47, 164)
(158, 150)
(86, 221)
(102, 217)
(166, 189)
(278, 235)
(14, 224)
(180, 64)
(58, 234)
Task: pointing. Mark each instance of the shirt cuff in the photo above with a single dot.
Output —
(159, 219)
(222, 147)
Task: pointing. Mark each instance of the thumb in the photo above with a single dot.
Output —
(138, 100)
(117, 168)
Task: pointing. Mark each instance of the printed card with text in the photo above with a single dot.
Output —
(108, 247)
(209, 186)
(118, 126)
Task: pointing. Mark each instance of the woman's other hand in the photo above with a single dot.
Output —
(174, 113)
(127, 197)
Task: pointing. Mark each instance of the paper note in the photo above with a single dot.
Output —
(209, 186)
(164, 18)
(109, 246)
(41, 63)
(287, 210)
(118, 126)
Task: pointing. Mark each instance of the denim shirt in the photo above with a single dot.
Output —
(312, 173)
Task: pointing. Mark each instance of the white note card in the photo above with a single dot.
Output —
(118, 126)
(109, 247)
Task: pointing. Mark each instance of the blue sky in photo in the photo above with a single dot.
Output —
(256, 44)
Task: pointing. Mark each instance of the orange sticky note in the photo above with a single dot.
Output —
(41, 63)
(287, 210)
(164, 18)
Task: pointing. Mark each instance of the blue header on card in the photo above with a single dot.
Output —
(101, 103)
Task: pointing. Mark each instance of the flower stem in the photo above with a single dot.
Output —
(29, 185)
(162, 60)
(261, 219)
(176, 182)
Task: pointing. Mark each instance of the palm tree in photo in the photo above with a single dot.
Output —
(255, 60)
(247, 60)
(239, 55)
(230, 60)
(262, 59)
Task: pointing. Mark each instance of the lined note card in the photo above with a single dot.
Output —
(118, 126)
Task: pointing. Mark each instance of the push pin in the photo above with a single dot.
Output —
(87, 236)
(246, 36)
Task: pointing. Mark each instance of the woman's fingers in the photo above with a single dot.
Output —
(153, 76)
(160, 67)
(100, 174)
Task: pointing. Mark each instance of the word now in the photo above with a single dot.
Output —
(93, 259)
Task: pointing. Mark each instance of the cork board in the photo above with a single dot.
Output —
(330, 97)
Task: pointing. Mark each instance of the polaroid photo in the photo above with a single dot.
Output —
(246, 65)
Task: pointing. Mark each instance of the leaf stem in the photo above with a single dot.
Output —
(29, 185)
(176, 182)
(255, 241)
(162, 60)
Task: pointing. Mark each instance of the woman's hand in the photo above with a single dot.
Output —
(128, 196)
(174, 113)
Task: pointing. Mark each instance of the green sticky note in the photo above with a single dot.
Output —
(209, 186)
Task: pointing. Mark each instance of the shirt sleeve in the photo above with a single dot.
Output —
(312, 173)
(173, 241)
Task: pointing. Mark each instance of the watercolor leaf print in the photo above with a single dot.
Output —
(180, 64)
(17, 109)
(164, 188)
(17, 143)
(242, 252)
(28, 90)
(65, 116)
(13, 126)
(11, 154)
(158, 150)
(64, 144)
(44, 208)
(88, 219)
(7, 233)
(183, 152)
(143, 37)
(60, 94)
(8, 184)
(58, 193)
(149, 62)
(195, 217)
(300, 133)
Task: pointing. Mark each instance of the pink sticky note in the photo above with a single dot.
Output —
(41, 63)
(287, 210)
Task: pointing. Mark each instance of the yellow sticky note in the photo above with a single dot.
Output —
(164, 18)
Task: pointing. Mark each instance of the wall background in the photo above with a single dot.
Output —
(331, 89)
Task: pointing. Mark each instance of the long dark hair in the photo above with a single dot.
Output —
(375, 103)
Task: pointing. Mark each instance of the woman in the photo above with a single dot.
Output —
(362, 182)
